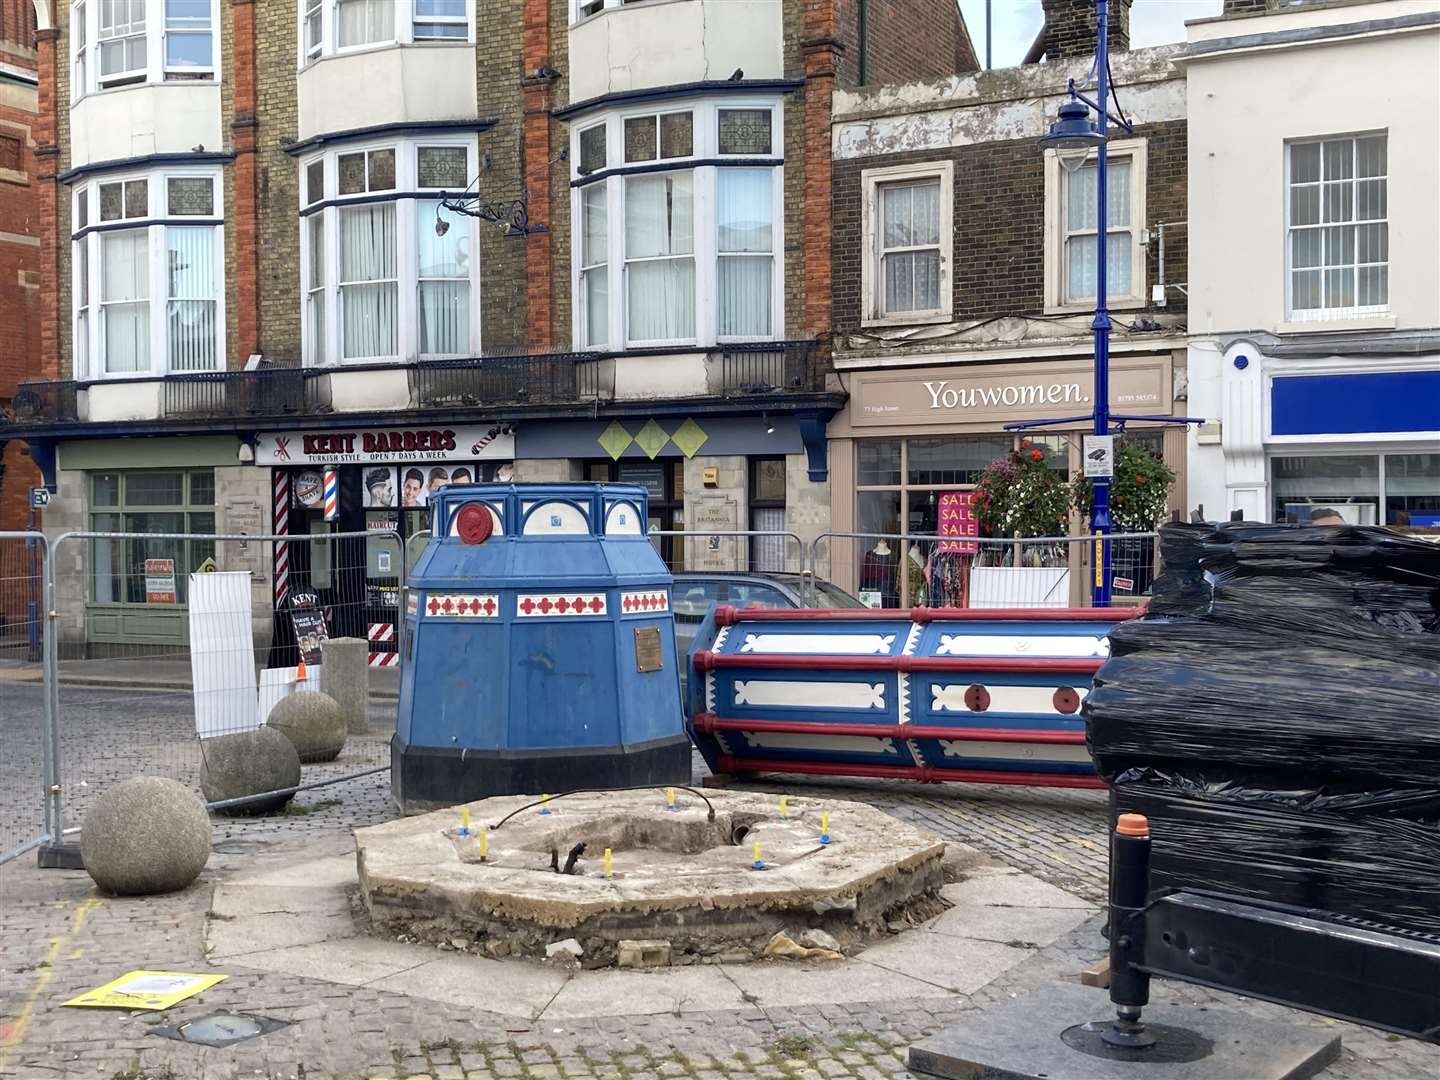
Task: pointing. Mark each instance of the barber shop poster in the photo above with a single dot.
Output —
(308, 619)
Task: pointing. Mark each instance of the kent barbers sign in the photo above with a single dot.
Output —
(993, 394)
(378, 446)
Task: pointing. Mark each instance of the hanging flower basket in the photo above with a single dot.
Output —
(1021, 496)
(1139, 500)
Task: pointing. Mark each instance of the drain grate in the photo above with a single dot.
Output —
(220, 1029)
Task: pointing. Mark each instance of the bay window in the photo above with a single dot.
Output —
(328, 27)
(148, 252)
(387, 271)
(677, 215)
(1072, 244)
(115, 43)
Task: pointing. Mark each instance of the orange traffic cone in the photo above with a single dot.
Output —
(300, 675)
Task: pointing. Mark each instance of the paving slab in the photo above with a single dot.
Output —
(1022, 1040)
(1036, 927)
(793, 983)
(268, 931)
(331, 870)
(360, 962)
(697, 988)
(1012, 889)
(232, 901)
(956, 964)
(511, 988)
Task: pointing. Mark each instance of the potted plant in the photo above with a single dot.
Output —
(1020, 497)
(1139, 498)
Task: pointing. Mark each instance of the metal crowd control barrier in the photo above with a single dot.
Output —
(26, 731)
(129, 698)
(928, 694)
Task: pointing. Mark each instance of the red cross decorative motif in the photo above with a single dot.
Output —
(562, 605)
(474, 605)
(627, 602)
(448, 606)
(433, 607)
(597, 605)
(545, 605)
(527, 605)
(489, 605)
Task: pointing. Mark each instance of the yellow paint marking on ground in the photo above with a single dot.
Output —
(46, 972)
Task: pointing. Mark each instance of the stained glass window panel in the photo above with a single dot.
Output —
(745, 131)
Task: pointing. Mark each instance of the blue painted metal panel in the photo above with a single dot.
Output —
(1384, 401)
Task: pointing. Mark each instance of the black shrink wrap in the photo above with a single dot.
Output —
(1367, 853)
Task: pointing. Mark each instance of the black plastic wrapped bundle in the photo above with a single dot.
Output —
(1365, 853)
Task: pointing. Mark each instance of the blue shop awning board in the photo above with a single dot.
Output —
(151, 990)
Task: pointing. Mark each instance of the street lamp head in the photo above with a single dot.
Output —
(441, 225)
(1073, 135)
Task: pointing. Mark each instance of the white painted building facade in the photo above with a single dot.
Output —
(1314, 276)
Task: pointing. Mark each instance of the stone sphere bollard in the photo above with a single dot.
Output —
(249, 763)
(145, 835)
(345, 676)
(313, 723)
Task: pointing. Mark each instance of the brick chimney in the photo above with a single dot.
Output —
(1070, 27)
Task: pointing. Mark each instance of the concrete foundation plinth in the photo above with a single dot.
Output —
(345, 676)
(1055, 1034)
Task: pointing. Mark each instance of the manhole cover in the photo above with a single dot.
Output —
(220, 1029)
(1173, 1046)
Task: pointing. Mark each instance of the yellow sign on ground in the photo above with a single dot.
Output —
(146, 990)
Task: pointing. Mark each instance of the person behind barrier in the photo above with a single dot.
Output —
(1325, 515)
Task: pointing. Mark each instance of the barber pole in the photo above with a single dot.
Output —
(281, 523)
(332, 494)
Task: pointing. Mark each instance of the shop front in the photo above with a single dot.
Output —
(911, 445)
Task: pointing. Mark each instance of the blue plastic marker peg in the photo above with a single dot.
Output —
(670, 801)
(824, 828)
(544, 804)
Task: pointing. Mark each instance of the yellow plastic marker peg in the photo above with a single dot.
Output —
(784, 806)
(758, 863)
(824, 828)
(484, 845)
(544, 804)
(609, 864)
(464, 821)
(670, 799)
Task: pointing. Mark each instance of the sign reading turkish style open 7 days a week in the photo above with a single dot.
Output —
(160, 581)
(154, 990)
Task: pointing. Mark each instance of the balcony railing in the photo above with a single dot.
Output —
(770, 367)
(522, 380)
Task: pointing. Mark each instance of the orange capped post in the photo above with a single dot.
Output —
(1129, 897)
(1132, 825)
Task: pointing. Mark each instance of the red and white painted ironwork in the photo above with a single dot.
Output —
(550, 605)
(462, 606)
(384, 659)
(382, 631)
(644, 602)
(280, 522)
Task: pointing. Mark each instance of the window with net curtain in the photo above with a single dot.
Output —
(364, 22)
(744, 212)
(910, 246)
(443, 271)
(660, 256)
(1081, 238)
(369, 281)
(125, 299)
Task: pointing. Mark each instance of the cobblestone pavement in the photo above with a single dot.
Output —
(58, 938)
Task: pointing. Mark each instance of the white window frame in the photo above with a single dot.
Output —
(85, 76)
(407, 196)
(581, 10)
(88, 324)
(1324, 314)
(309, 52)
(1056, 301)
(702, 164)
(872, 181)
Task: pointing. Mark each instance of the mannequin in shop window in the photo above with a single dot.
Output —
(878, 574)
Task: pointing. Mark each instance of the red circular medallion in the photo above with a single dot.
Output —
(977, 698)
(1066, 700)
(474, 523)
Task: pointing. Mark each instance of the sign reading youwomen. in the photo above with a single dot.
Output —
(994, 395)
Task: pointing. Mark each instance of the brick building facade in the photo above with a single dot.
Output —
(964, 266)
(591, 238)
(19, 247)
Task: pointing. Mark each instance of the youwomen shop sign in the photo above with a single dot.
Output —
(996, 394)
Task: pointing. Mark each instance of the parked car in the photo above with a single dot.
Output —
(694, 594)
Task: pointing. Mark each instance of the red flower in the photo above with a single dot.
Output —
(1037, 455)
(1139, 479)
(1024, 443)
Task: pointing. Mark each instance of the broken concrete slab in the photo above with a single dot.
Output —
(1027, 926)
(511, 988)
(1012, 889)
(1026, 1039)
(961, 967)
(788, 982)
(361, 961)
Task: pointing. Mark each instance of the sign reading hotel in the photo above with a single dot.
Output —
(1031, 392)
(341, 446)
